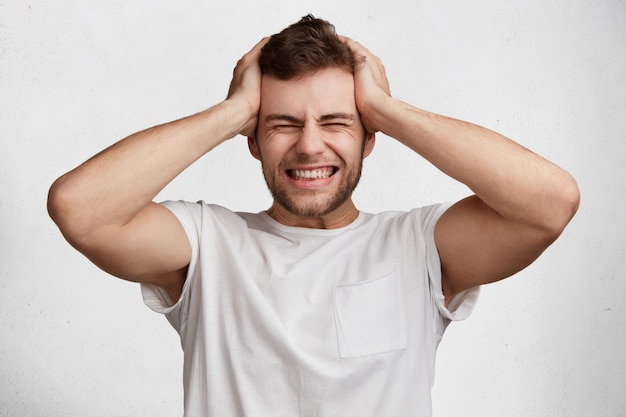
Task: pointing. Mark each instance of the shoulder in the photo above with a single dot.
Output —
(199, 212)
(427, 217)
(423, 218)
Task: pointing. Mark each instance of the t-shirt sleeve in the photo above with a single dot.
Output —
(461, 306)
(156, 298)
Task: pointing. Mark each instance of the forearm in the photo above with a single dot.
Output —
(512, 180)
(113, 186)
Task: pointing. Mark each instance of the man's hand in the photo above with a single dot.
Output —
(371, 87)
(246, 86)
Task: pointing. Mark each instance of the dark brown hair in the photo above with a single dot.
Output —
(306, 46)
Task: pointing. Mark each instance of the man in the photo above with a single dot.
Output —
(312, 308)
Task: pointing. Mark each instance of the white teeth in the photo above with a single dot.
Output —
(312, 174)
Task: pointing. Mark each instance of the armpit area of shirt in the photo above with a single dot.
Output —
(461, 306)
(157, 298)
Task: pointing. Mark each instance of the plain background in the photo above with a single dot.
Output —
(78, 75)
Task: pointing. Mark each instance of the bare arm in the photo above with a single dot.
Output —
(104, 207)
(522, 202)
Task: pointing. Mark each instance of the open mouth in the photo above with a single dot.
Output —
(311, 174)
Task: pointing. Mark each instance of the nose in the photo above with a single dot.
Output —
(310, 142)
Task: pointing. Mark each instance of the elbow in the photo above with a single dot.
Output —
(63, 208)
(57, 201)
(566, 200)
(573, 195)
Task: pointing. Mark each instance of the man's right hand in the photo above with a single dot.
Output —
(246, 86)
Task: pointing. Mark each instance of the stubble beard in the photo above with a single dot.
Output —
(311, 203)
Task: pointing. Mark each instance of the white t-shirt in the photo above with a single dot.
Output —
(284, 321)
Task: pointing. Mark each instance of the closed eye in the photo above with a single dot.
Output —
(335, 125)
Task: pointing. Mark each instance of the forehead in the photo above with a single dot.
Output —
(325, 91)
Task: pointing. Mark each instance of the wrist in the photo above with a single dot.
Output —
(240, 117)
(380, 114)
(228, 119)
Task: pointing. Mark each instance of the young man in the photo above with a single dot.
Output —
(312, 308)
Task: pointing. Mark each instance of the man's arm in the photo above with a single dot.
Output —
(522, 202)
(104, 207)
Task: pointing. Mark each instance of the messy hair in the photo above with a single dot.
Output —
(306, 46)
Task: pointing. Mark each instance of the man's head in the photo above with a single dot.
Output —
(303, 48)
(309, 137)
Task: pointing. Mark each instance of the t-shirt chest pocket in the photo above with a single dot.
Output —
(370, 315)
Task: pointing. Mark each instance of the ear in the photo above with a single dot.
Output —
(254, 148)
(368, 146)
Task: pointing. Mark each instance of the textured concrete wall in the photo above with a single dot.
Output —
(76, 76)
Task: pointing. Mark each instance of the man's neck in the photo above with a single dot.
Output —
(341, 217)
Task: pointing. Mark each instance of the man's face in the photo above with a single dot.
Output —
(310, 141)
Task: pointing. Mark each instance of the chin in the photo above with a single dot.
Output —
(311, 208)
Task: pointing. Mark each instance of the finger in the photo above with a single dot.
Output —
(361, 54)
(255, 52)
(252, 55)
(355, 46)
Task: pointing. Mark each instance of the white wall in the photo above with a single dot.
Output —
(76, 76)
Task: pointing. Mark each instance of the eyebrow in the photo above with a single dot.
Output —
(284, 118)
(336, 116)
(323, 118)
